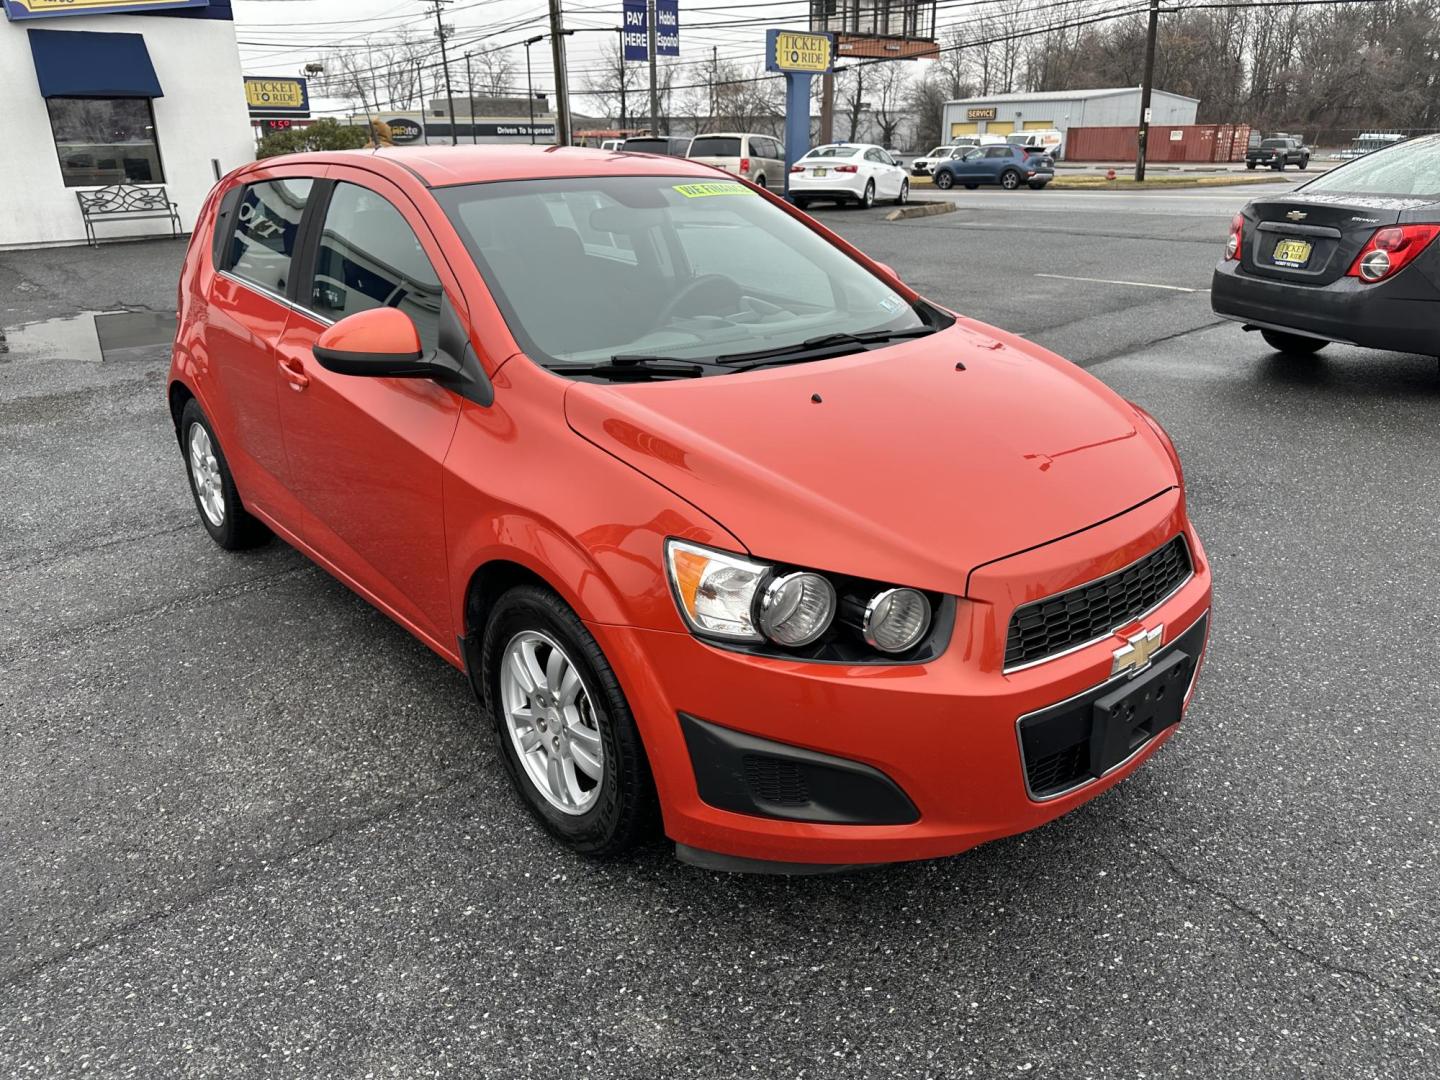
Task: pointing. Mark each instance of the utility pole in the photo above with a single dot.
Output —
(827, 108)
(654, 93)
(1143, 137)
(623, 73)
(530, 83)
(445, 66)
(558, 34)
(470, 97)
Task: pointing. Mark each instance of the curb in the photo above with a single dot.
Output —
(920, 209)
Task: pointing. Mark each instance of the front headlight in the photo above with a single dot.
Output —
(791, 612)
(715, 590)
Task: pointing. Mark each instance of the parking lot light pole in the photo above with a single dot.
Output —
(1143, 133)
(530, 83)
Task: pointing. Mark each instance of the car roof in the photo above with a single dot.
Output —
(731, 135)
(441, 166)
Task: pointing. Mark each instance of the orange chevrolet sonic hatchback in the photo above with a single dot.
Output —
(733, 532)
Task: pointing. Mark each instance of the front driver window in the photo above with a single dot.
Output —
(267, 224)
(369, 257)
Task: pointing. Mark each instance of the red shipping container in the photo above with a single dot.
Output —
(1168, 143)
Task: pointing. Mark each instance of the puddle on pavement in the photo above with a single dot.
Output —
(89, 337)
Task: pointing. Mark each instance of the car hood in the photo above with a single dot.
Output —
(892, 464)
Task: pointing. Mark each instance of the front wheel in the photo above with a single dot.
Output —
(1279, 166)
(1292, 344)
(221, 512)
(868, 199)
(1304, 163)
(563, 727)
(904, 196)
(1010, 180)
(944, 180)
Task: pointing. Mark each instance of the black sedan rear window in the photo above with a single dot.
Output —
(1408, 168)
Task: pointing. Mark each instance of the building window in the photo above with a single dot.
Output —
(104, 141)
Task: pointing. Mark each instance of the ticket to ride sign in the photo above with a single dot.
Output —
(789, 50)
(44, 9)
(277, 97)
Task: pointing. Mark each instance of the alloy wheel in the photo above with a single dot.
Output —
(205, 472)
(552, 723)
(1010, 181)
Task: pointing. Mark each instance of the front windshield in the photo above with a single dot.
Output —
(833, 151)
(589, 267)
(1409, 168)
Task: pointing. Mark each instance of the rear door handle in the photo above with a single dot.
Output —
(294, 373)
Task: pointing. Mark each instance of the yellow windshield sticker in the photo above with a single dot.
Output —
(712, 187)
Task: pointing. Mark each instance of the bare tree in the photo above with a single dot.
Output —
(495, 73)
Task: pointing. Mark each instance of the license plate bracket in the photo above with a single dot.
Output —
(820, 172)
(1292, 253)
(1127, 718)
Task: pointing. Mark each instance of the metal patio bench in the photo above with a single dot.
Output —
(126, 202)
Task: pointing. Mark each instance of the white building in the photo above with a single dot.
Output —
(1002, 114)
(152, 95)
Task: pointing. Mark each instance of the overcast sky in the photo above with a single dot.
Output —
(278, 37)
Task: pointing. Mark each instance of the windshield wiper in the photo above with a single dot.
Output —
(824, 344)
(637, 367)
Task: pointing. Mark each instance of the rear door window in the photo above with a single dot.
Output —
(712, 146)
(267, 224)
(369, 257)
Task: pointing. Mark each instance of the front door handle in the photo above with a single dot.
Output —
(294, 373)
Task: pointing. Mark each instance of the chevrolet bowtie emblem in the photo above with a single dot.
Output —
(1134, 656)
(1297, 215)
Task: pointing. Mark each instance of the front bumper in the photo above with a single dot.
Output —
(1398, 314)
(943, 733)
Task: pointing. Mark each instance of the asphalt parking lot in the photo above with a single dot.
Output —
(248, 826)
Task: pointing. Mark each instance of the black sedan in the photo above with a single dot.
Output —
(1331, 260)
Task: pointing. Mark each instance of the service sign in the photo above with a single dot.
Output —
(268, 96)
(790, 50)
(980, 114)
(44, 9)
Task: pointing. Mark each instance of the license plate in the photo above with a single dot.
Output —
(1127, 718)
(1292, 253)
(821, 172)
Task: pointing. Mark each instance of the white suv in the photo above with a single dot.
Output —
(758, 158)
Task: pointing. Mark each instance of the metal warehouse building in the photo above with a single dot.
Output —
(1001, 114)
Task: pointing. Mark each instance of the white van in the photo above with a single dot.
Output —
(1049, 140)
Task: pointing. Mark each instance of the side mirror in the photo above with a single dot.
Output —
(380, 342)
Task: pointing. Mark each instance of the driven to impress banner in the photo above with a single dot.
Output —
(44, 9)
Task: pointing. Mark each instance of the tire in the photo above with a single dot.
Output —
(1250, 165)
(868, 199)
(608, 816)
(760, 182)
(1038, 185)
(1304, 164)
(904, 196)
(802, 202)
(213, 488)
(971, 187)
(1010, 180)
(945, 180)
(1292, 344)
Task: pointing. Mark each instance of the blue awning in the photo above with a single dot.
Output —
(82, 63)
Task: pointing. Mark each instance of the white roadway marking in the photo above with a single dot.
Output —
(1111, 281)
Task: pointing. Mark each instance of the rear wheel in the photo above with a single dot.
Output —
(868, 199)
(563, 727)
(944, 180)
(1304, 163)
(802, 202)
(1250, 165)
(1010, 180)
(971, 187)
(904, 196)
(760, 181)
(1292, 344)
(221, 512)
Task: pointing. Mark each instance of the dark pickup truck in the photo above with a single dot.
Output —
(1277, 153)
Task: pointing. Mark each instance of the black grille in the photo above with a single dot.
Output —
(1059, 622)
(772, 780)
(1058, 771)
